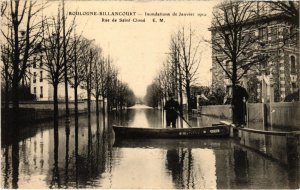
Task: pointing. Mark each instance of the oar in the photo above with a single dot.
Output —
(183, 119)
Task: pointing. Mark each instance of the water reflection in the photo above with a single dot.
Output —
(15, 163)
(175, 165)
(55, 182)
(48, 156)
(241, 165)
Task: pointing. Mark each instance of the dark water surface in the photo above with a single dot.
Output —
(34, 160)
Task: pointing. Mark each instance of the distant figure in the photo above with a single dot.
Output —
(172, 108)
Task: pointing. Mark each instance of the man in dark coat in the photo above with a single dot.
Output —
(172, 108)
(239, 105)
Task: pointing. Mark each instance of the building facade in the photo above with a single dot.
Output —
(276, 39)
(43, 89)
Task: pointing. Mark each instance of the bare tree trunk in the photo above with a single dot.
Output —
(75, 81)
(234, 80)
(55, 102)
(188, 94)
(89, 94)
(97, 104)
(76, 100)
(15, 98)
(103, 104)
(16, 61)
(65, 64)
(6, 90)
(89, 101)
(180, 92)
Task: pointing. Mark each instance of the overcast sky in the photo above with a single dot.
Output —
(139, 49)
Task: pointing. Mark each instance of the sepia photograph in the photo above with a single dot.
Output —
(150, 94)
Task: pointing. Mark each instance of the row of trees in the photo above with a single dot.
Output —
(29, 37)
(179, 71)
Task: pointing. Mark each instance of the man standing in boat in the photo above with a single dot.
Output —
(172, 108)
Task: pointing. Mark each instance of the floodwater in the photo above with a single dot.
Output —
(36, 159)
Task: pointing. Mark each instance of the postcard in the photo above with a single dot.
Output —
(150, 94)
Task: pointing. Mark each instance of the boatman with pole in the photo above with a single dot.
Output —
(172, 108)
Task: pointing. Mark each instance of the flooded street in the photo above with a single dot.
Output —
(97, 160)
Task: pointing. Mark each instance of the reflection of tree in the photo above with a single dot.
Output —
(76, 150)
(241, 166)
(91, 159)
(121, 117)
(154, 117)
(67, 156)
(15, 164)
(175, 165)
(15, 154)
(7, 168)
(180, 163)
(55, 183)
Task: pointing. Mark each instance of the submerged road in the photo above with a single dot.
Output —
(34, 161)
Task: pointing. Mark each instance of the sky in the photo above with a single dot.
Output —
(139, 49)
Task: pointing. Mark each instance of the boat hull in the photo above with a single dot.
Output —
(214, 131)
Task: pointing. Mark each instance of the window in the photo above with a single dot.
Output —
(41, 95)
(293, 64)
(34, 77)
(293, 32)
(263, 34)
(41, 62)
(34, 90)
(41, 76)
(34, 62)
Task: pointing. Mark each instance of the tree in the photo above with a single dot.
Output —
(289, 10)
(52, 55)
(153, 94)
(233, 43)
(110, 83)
(97, 77)
(6, 73)
(189, 61)
(90, 58)
(25, 38)
(177, 69)
(77, 68)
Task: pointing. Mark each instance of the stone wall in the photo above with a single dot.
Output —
(48, 105)
(35, 111)
(222, 111)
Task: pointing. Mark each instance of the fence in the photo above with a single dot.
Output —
(280, 114)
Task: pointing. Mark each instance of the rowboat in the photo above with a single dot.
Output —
(214, 131)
